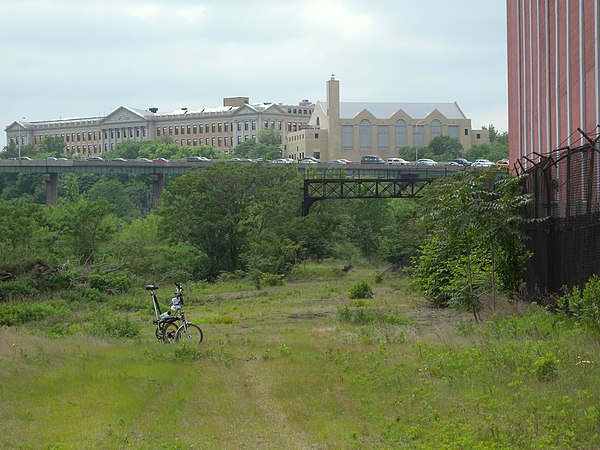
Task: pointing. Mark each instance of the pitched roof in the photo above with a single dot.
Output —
(385, 110)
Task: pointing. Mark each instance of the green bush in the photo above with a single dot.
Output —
(583, 305)
(112, 284)
(16, 288)
(545, 368)
(18, 314)
(105, 325)
(361, 290)
(361, 316)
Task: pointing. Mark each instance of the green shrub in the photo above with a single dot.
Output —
(105, 325)
(21, 313)
(583, 305)
(112, 284)
(361, 290)
(545, 368)
(361, 316)
(16, 288)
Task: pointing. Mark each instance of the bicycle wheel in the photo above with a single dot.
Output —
(169, 332)
(189, 333)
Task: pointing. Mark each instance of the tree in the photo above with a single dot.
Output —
(223, 208)
(473, 242)
(83, 226)
(445, 147)
(52, 146)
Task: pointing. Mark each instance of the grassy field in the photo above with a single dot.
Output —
(300, 366)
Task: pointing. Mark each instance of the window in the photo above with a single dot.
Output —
(220, 127)
(383, 141)
(176, 131)
(239, 140)
(239, 126)
(189, 129)
(466, 131)
(418, 136)
(68, 140)
(436, 128)
(347, 136)
(478, 136)
(200, 128)
(213, 142)
(189, 142)
(266, 124)
(453, 131)
(220, 142)
(195, 128)
(170, 131)
(400, 134)
(78, 137)
(158, 131)
(364, 133)
(279, 124)
(137, 132)
(254, 125)
(131, 132)
(316, 135)
(226, 127)
(195, 142)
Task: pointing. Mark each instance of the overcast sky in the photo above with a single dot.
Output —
(85, 58)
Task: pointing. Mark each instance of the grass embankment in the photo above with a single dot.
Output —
(300, 366)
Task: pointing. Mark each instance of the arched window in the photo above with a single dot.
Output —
(400, 134)
(436, 128)
(318, 122)
(365, 134)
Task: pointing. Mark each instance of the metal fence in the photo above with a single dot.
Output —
(565, 237)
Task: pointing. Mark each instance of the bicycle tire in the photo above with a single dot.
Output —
(169, 332)
(189, 333)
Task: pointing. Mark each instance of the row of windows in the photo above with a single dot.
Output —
(300, 111)
(219, 127)
(400, 128)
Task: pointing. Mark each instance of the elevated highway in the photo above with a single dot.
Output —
(322, 181)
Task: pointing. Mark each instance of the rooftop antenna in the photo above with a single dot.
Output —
(333, 76)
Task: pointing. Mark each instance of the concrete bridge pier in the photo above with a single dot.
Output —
(51, 180)
(158, 186)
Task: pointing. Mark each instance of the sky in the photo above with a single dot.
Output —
(85, 58)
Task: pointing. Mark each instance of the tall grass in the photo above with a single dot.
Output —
(302, 366)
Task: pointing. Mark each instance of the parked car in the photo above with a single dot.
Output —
(282, 161)
(23, 158)
(372, 159)
(51, 158)
(120, 159)
(347, 161)
(94, 158)
(398, 161)
(143, 160)
(462, 162)
(338, 161)
(483, 163)
(426, 162)
(194, 159)
(160, 160)
(309, 160)
(502, 163)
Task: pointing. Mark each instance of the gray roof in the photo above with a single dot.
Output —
(385, 110)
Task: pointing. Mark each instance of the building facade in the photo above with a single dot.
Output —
(350, 130)
(553, 75)
(222, 127)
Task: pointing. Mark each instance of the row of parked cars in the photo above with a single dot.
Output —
(374, 159)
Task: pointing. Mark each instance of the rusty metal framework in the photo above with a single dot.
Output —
(565, 238)
(317, 189)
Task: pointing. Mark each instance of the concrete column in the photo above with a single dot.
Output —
(51, 180)
(158, 185)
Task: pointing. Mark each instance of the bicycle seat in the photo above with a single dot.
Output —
(151, 287)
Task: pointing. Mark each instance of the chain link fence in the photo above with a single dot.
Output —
(564, 237)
